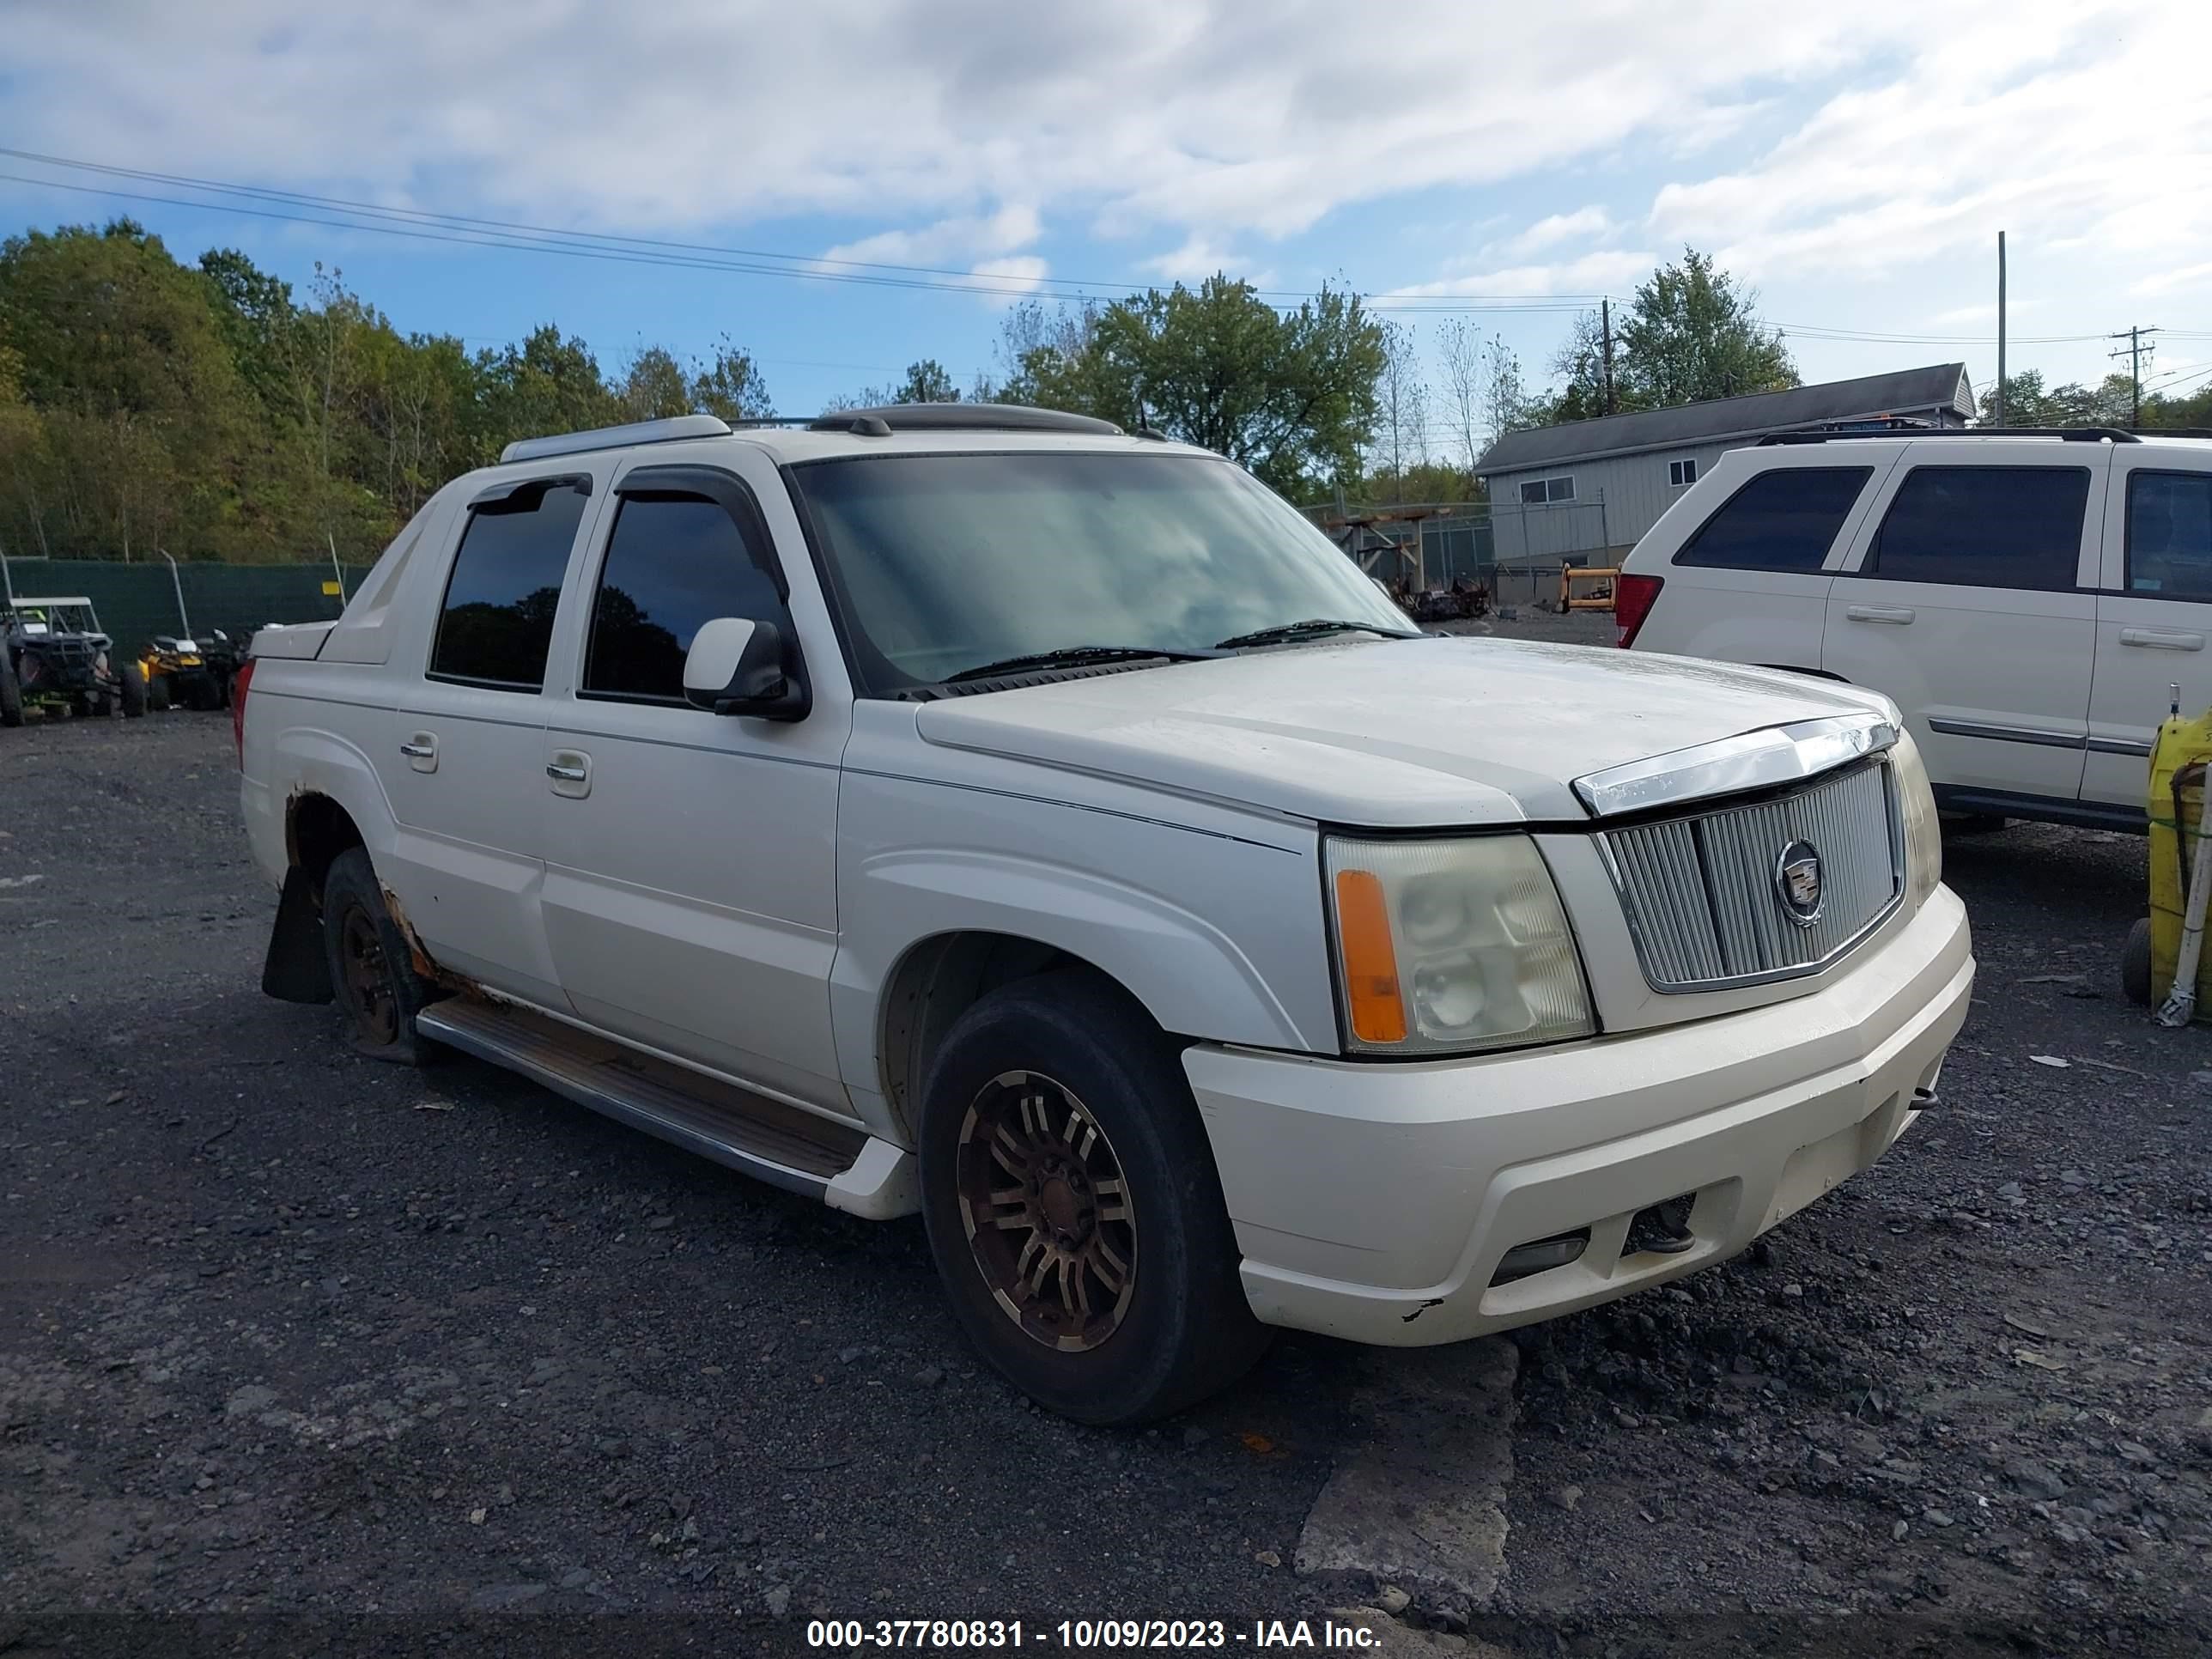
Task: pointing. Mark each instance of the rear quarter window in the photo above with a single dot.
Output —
(1784, 520)
(497, 622)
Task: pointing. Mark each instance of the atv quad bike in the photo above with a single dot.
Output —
(178, 675)
(54, 655)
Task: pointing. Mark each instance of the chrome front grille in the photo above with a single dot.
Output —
(1706, 898)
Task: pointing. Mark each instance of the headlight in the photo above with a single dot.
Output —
(1445, 946)
(1924, 836)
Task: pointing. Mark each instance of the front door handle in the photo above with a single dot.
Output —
(571, 772)
(421, 751)
(1880, 613)
(2162, 639)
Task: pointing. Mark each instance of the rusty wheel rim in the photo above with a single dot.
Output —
(1048, 1211)
(368, 993)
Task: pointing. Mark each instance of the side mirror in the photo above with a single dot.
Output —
(736, 667)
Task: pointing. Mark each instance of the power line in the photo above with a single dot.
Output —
(424, 224)
(550, 239)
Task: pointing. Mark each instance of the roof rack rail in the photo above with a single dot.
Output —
(960, 417)
(2072, 435)
(615, 437)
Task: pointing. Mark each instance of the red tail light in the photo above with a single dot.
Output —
(1632, 600)
(245, 678)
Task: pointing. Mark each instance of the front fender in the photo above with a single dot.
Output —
(1220, 938)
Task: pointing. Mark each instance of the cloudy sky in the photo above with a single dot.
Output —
(842, 188)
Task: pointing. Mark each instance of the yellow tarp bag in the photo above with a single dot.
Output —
(2178, 760)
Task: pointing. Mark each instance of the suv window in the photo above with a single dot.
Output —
(505, 588)
(1984, 526)
(2170, 534)
(673, 561)
(1784, 520)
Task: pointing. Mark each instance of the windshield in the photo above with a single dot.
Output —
(944, 562)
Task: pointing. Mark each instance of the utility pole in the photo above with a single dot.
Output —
(1605, 330)
(2133, 351)
(2000, 329)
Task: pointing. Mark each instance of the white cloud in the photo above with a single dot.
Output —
(1607, 271)
(1000, 232)
(1583, 224)
(1196, 126)
(1014, 278)
(1199, 258)
(2012, 120)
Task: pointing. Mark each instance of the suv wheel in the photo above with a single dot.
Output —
(379, 992)
(1072, 1207)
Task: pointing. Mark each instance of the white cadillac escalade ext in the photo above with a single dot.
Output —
(984, 812)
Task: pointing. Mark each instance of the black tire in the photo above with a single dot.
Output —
(157, 693)
(1178, 1327)
(132, 692)
(2135, 963)
(11, 693)
(378, 991)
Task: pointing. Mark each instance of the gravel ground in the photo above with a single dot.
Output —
(299, 1353)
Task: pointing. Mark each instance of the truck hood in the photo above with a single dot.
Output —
(1390, 733)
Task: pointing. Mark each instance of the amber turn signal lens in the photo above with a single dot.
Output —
(1370, 963)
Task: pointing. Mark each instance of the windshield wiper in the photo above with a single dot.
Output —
(1313, 628)
(1073, 656)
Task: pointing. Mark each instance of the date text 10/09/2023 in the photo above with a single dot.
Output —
(854, 1635)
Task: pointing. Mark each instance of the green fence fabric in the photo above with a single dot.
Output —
(137, 601)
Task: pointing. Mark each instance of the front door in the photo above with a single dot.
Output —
(2154, 616)
(1968, 606)
(690, 888)
(462, 761)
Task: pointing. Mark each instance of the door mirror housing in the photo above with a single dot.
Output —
(736, 665)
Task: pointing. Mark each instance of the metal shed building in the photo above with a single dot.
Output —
(1586, 489)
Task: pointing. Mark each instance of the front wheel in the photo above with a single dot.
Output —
(372, 970)
(1073, 1207)
(158, 694)
(132, 690)
(11, 692)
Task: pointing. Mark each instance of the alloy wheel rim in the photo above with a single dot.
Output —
(367, 980)
(1047, 1209)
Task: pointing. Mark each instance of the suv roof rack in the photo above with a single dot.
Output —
(615, 437)
(960, 417)
(2072, 435)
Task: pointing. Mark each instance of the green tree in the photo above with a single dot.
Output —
(1692, 333)
(1290, 395)
(729, 384)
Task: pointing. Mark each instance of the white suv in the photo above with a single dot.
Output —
(983, 812)
(2028, 601)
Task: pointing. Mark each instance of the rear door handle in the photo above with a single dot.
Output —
(571, 772)
(421, 751)
(1880, 613)
(2162, 639)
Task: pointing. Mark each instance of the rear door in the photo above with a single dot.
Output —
(463, 761)
(1970, 601)
(2153, 613)
(1749, 580)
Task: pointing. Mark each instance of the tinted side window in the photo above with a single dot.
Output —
(1784, 519)
(2170, 534)
(505, 588)
(1984, 526)
(673, 561)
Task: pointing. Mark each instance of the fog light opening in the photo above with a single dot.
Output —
(1540, 1255)
(1662, 1227)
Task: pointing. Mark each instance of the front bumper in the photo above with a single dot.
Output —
(1375, 1201)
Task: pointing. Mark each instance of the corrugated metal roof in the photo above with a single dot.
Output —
(1940, 386)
